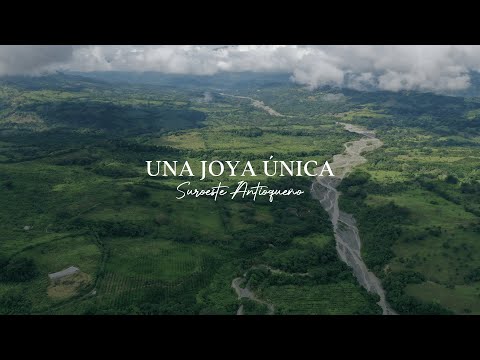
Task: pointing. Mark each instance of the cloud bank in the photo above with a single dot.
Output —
(424, 68)
(33, 60)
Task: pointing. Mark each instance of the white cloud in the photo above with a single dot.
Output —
(24, 59)
(430, 68)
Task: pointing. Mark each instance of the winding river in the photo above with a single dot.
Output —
(346, 233)
(245, 292)
(256, 103)
(345, 230)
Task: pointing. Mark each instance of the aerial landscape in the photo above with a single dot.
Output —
(86, 230)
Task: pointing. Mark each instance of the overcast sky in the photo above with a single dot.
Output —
(431, 68)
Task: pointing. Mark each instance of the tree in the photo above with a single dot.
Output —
(13, 302)
(450, 179)
(19, 270)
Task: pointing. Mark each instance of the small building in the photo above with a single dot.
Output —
(65, 272)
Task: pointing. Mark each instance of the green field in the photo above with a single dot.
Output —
(429, 254)
(332, 299)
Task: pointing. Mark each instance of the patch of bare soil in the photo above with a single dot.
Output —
(68, 286)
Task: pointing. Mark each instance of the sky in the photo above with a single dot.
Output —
(385, 67)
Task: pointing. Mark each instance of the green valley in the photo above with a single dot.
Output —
(75, 192)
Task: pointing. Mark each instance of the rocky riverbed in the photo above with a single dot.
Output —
(347, 237)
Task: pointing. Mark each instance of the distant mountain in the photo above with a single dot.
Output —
(233, 81)
(57, 81)
(71, 101)
(228, 80)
